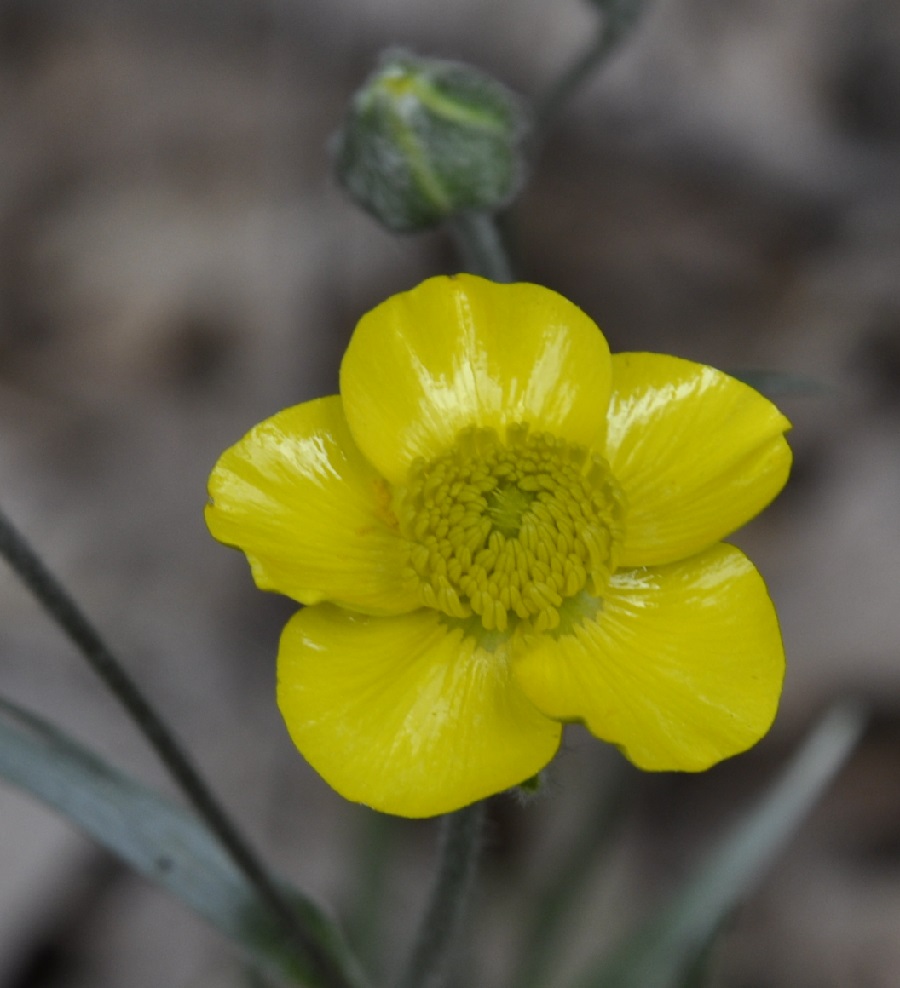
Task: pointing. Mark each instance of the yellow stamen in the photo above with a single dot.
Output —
(509, 530)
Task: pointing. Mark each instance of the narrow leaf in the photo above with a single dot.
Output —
(661, 954)
(160, 840)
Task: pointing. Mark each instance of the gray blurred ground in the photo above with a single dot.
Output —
(176, 264)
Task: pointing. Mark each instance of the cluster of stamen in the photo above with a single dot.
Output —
(509, 530)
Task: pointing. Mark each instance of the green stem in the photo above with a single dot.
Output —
(71, 619)
(365, 915)
(619, 17)
(460, 843)
(480, 245)
(570, 877)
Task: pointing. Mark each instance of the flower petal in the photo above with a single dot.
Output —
(404, 715)
(313, 517)
(681, 667)
(460, 352)
(697, 453)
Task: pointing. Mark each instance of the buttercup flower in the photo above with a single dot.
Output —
(497, 528)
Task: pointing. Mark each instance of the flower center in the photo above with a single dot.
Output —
(509, 530)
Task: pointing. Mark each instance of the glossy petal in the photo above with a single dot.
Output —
(310, 513)
(460, 352)
(697, 453)
(403, 715)
(681, 667)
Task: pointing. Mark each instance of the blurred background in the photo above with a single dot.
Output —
(176, 263)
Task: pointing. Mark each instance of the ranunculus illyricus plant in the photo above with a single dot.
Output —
(497, 528)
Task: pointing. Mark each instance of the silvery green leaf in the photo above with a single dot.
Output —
(160, 840)
(663, 952)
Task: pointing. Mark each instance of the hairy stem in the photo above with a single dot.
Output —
(480, 245)
(36, 576)
(619, 17)
(460, 843)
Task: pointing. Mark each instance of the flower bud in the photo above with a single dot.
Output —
(425, 139)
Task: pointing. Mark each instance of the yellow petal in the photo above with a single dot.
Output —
(681, 667)
(697, 453)
(460, 352)
(297, 497)
(403, 715)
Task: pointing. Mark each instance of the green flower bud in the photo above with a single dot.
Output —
(425, 139)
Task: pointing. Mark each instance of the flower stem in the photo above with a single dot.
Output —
(619, 17)
(480, 245)
(460, 844)
(32, 571)
(570, 876)
(364, 914)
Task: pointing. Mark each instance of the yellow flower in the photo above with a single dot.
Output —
(498, 527)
